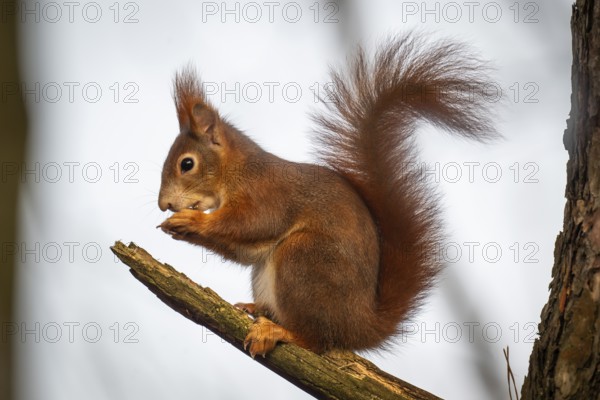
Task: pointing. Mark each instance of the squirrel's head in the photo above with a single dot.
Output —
(191, 175)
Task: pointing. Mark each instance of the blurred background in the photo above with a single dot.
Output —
(96, 81)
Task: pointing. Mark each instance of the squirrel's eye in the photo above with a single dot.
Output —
(186, 164)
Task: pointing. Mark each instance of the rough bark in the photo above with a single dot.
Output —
(335, 375)
(565, 362)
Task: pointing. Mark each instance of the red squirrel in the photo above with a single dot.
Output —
(344, 251)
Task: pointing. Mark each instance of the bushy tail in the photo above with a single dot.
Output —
(367, 136)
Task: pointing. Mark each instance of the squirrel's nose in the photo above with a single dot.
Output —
(164, 205)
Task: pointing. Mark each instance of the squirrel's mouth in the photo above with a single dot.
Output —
(198, 206)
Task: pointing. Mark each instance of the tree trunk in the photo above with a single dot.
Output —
(565, 362)
(13, 131)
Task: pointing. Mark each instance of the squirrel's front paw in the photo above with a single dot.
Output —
(181, 224)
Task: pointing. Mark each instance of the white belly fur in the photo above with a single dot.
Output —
(263, 287)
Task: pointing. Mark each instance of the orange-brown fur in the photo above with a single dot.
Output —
(342, 253)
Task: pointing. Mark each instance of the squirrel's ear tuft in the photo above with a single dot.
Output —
(196, 116)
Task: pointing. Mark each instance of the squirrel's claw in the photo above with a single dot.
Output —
(248, 308)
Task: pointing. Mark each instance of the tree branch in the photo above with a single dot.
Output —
(335, 375)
